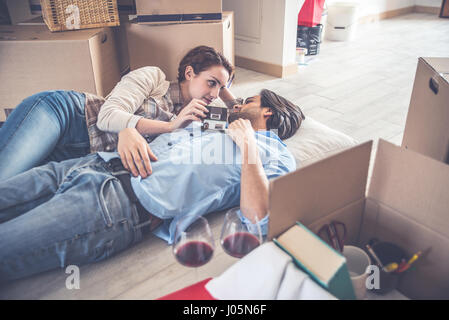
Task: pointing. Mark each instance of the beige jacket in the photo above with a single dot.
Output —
(144, 92)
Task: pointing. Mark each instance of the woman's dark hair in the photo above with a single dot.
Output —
(202, 58)
(287, 117)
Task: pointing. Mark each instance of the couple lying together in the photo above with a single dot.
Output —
(83, 177)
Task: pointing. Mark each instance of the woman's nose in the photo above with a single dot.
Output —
(215, 92)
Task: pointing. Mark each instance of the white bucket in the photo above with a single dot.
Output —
(341, 21)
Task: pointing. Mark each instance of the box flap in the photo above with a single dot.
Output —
(413, 184)
(440, 65)
(428, 114)
(445, 76)
(315, 191)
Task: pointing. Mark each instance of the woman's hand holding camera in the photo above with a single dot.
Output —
(194, 111)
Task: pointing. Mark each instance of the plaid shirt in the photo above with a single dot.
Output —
(159, 103)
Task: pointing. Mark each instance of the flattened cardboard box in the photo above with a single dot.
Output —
(406, 202)
(33, 59)
(427, 125)
(178, 11)
(165, 45)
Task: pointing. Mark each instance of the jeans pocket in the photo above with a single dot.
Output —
(79, 103)
(105, 210)
(79, 111)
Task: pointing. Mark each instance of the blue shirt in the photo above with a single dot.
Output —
(198, 172)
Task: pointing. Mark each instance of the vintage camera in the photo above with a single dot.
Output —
(216, 118)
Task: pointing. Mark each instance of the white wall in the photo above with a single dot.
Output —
(290, 27)
(429, 3)
(265, 30)
(370, 7)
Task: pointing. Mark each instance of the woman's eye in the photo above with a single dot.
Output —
(211, 83)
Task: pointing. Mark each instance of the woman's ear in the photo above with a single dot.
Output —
(189, 73)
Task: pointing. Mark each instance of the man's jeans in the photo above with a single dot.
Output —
(68, 213)
(47, 126)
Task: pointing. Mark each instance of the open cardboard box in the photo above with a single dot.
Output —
(406, 203)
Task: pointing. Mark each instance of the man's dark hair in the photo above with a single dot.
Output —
(202, 58)
(287, 117)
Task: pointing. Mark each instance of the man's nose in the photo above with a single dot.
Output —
(236, 108)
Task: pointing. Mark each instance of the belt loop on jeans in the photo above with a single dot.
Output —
(147, 221)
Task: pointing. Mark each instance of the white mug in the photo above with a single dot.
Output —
(357, 262)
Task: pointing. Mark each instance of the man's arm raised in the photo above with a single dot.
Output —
(254, 183)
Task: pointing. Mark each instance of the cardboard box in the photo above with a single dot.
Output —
(33, 59)
(406, 203)
(178, 11)
(427, 125)
(165, 45)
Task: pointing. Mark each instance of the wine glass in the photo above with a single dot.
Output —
(237, 238)
(193, 245)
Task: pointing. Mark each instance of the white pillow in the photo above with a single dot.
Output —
(315, 141)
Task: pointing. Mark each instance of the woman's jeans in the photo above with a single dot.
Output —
(47, 126)
(67, 213)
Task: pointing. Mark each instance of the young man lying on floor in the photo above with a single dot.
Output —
(84, 210)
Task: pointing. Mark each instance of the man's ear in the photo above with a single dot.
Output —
(267, 113)
(189, 73)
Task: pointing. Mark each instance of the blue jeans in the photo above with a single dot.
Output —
(63, 213)
(47, 126)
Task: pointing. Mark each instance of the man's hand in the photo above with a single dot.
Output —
(194, 111)
(135, 152)
(242, 132)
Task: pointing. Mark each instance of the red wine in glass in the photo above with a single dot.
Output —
(240, 243)
(194, 253)
(193, 245)
(238, 239)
